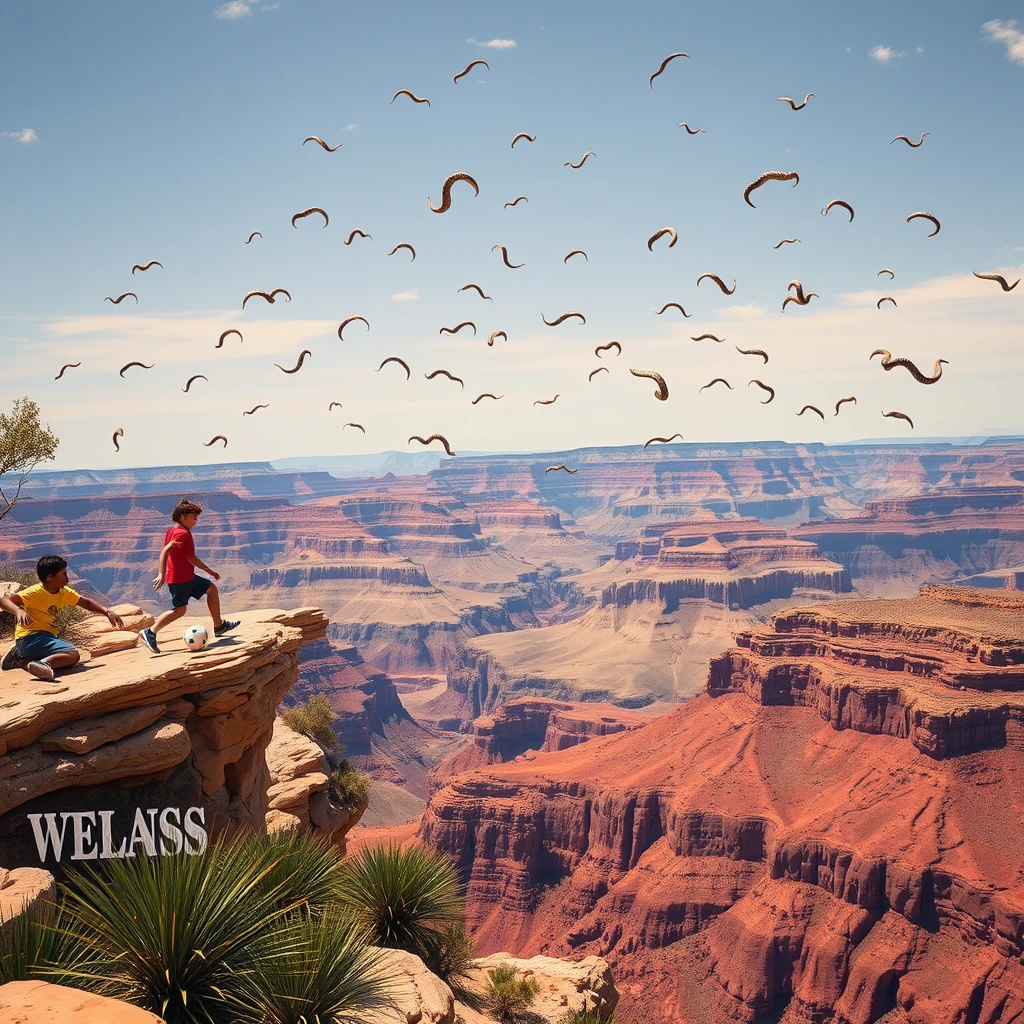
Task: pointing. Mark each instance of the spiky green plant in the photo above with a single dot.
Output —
(339, 979)
(302, 869)
(44, 943)
(177, 931)
(405, 897)
(314, 719)
(508, 997)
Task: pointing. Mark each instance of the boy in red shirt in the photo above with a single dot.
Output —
(178, 563)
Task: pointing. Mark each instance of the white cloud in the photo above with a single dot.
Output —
(271, 7)
(1007, 32)
(410, 296)
(884, 54)
(25, 136)
(919, 49)
(494, 44)
(233, 10)
(1019, 248)
(351, 126)
(752, 311)
(849, 49)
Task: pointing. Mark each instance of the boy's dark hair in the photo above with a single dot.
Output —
(49, 565)
(185, 508)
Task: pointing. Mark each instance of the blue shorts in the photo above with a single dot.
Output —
(182, 593)
(36, 646)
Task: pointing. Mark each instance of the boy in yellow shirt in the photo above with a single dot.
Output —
(36, 644)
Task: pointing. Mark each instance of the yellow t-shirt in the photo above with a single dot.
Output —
(43, 607)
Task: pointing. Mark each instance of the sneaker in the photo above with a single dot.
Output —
(148, 637)
(41, 670)
(226, 626)
(12, 659)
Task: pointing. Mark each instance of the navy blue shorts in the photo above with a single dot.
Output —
(182, 593)
(36, 646)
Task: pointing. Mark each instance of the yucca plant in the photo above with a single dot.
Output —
(404, 898)
(302, 870)
(44, 943)
(340, 978)
(177, 931)
(581, 1016)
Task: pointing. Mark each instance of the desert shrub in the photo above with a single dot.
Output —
(348, 786)
(406, 898)
(451, 954)
(66, 617)
(314, 719)
(508, 997)
(43, 943)
(582, 1016)
(248, 932)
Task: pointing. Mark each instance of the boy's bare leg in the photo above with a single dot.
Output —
(213, 603)
(166, 618)
(65, 660)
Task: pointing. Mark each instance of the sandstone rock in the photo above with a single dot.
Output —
(20, 888)
(417, 996)
(185, 723)
(565, 985)
(36, 1002)
(297, 794)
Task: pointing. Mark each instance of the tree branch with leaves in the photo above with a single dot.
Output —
(24, 443)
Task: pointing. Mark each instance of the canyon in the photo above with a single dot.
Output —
(830, 830)
(744, 720)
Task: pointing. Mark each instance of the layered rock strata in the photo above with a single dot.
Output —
(735, 562)
(767, 849)
(536, 724)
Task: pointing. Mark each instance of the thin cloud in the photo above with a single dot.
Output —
(494, 44)
(1006, 32)
(751, 311)
(271, 7)
(25, 136)
(234, 10)
(885, 54)
(919, 49)
(410, 296)
(351, 127)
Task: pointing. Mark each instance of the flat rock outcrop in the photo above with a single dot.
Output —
(37, 1002)
(82, 758)
(764, 848)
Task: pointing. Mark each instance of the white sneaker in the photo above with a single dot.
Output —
(41, 670)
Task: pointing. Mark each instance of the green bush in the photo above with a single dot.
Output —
(508, 997)
(406, 898)
(24, 576)
(450, 957)
(314, 719)
(584, 1017)
(349, 787)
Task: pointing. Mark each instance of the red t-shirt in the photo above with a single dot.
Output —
(179, 568)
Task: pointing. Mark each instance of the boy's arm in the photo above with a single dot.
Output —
(200, 564)
(161, 571)
(92, 606)
(13, 605)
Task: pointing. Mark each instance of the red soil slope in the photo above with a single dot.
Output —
(833, 832)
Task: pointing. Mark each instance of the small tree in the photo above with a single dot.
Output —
(24, 443)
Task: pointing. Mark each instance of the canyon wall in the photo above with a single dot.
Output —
(830, 830)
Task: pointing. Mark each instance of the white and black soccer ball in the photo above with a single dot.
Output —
(195, 638)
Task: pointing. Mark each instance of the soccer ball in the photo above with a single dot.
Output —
(196, 637)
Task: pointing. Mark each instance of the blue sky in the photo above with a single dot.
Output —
(135, 132)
